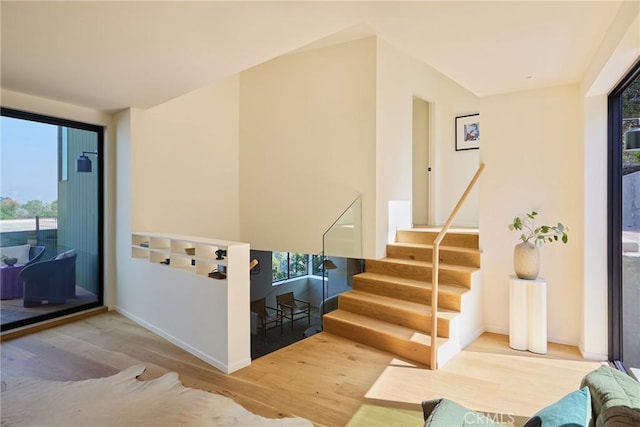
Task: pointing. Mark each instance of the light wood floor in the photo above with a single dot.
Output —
(326, 379)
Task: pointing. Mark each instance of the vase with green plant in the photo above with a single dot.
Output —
(526, 256)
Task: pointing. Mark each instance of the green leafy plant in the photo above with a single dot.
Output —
(631, 158)
(541, 234)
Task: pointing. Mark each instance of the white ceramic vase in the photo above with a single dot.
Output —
(526, 260)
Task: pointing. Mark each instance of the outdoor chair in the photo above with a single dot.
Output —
(35, 253)
(267, 316)
(49, 282)
(293, 308)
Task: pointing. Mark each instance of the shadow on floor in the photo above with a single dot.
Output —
(275, 340)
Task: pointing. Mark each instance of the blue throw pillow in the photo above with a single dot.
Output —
(573, 410)
(447, 413)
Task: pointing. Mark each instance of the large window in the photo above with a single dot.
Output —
(624, 220)
(289, 265)
(51, 217)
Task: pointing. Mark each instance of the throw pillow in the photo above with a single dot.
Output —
(446, 413)
(573, 410)
(66, 254)
(21, 252)
(615, 396)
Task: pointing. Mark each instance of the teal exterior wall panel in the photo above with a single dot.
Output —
(78, 206)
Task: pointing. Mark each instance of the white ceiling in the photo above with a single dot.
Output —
(112, 55)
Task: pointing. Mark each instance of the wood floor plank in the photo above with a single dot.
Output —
(324, 378)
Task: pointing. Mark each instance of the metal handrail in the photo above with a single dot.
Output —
(436, 265)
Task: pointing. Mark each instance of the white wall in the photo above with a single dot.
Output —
(595, 327)
(125, 134)
(185, 164)
(531, 146)
(400, 78)
(307, 146)
(52, 108)
(615, 56)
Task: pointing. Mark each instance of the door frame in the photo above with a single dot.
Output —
(421, 163)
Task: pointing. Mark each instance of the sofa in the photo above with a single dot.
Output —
(606, 397)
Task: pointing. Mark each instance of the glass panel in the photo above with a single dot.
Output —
(342, 250)
(339, 274)
(56, 212)
(279, 267)
(344, 237)
(631, 225)
(316, 268)
(298, 265)
(64, 155)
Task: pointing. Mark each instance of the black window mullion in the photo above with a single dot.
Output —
(614, 213)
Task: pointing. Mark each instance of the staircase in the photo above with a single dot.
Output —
(390, 305)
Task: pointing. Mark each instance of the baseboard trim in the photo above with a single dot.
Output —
(593, 356)
(224, 367)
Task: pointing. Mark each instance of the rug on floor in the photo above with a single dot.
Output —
(123, 400)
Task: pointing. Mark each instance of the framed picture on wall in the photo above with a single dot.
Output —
(468, 132)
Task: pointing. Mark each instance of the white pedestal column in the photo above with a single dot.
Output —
(537, 328)
(528, 314)
(518, 314)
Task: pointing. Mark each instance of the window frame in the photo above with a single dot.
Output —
(614, 213)
(99, 131)
(309, 272)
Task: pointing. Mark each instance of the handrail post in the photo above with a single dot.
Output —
(434, 305)
(436, 266)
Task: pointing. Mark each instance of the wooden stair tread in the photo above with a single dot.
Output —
(430, 246)
(415, 307)
(446, 287)
(394, 330)
(461, 268)
(454, 237)
(437, 229)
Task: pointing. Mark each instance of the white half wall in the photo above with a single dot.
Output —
(531, 146)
